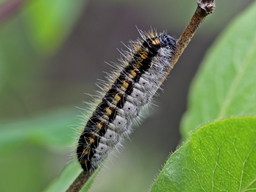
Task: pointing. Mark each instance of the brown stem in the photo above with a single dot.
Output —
(81, 179)
(204, 7)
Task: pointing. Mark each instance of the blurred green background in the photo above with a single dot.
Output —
(53, 51)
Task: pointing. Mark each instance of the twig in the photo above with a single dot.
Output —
(81, 179)
(204, 7)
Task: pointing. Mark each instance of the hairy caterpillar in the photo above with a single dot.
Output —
(128, 89)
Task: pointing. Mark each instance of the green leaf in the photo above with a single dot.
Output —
(15, 56)
(66, 177)
(225, 84)
(50, 21)
(220, 156)
(52, 130)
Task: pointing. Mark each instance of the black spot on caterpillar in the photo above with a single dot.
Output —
(126, 92)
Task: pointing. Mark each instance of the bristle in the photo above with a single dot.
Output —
(127, 90)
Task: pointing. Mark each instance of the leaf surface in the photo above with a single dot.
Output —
(225, 83)
(52, 130)
(220, 156)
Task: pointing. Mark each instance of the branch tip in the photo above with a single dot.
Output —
(207, 5)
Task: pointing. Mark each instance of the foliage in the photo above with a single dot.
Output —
(225, 84)
(219, 155)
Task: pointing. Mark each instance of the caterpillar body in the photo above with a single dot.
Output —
(127, 91)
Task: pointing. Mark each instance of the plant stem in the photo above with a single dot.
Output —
(204, 7)
(81, 179)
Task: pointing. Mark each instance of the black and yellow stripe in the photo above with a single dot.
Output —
(135, 65)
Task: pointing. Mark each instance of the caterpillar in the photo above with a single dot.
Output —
(124, 94)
